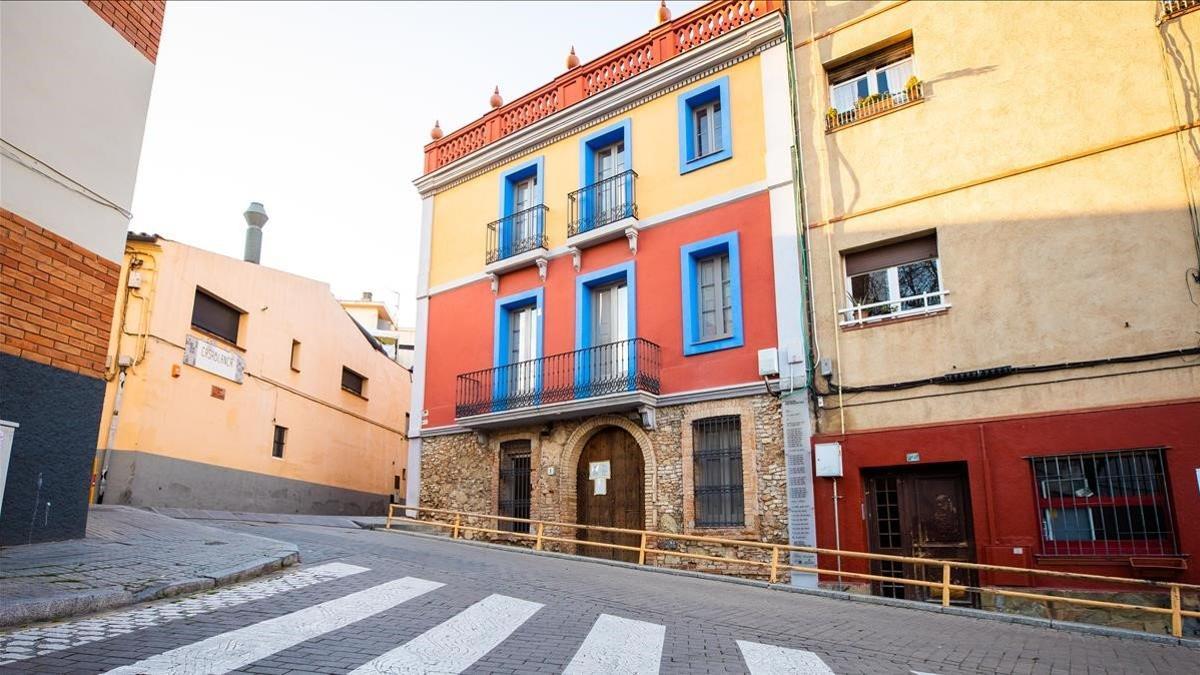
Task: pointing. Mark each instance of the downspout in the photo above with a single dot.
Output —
(113, 419)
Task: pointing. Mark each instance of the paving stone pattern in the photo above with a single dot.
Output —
(130, 555)
(703, 621)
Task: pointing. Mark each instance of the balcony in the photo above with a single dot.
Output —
(604, 210)
(618, 376)
(874, 106)
(912, 305)
(516, 240)
(1173, 8)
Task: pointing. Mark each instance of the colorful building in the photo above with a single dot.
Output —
(1002, 212)
(243, 388)
(610, 306)
(74, 89)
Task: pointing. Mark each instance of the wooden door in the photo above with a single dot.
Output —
(622, 502)
(921, 513)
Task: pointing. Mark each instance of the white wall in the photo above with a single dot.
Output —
(73, 100)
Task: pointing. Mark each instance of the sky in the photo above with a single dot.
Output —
(320, 111)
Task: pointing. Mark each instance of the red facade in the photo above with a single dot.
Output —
(462, 320)
(1003, 497)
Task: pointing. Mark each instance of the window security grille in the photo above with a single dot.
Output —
(515, 484)
(1107, 503)
(717, 458)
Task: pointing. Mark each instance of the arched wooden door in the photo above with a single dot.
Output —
(615, 501)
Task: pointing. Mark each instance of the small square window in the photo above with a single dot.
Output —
(280, 441)
(216, 317)
(893, 280)
(872, 84)
(295, 355)
(705, 136)
(353, 382)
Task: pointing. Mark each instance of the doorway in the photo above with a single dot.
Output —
(610, 491)
(920, 512)
(516, 486)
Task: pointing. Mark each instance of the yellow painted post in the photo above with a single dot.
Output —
(774, 564)
(537, 546)
(457, 522)
(388, 525)
(945, 584)
(1176, 613)
(642, 550)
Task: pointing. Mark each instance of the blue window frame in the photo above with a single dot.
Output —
(584, 285)
(716, 263)
(518, 225)
(507, 378)
(705, 134)
(614, 198)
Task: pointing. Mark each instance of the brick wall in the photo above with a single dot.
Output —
(138, 21)
(56, 298)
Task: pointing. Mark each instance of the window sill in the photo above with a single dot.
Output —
(707, 160)
(742, 533)
(1075, 560)
(712, 345)
(873, 115)
(354, 393)
(219, 339)
(898, 317)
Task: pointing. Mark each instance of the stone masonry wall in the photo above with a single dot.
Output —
(460, 472)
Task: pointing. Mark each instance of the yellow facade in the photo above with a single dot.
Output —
(1056, 155)
(343, 452)
(462, 212)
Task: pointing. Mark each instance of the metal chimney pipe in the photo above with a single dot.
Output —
(256, 217)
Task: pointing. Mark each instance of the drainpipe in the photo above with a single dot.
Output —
(125, 362)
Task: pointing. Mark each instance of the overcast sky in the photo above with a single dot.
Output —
(320, 112)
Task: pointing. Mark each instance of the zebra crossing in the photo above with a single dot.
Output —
(613, 644)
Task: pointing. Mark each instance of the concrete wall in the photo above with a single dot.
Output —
(1047, 159)
(146, 479)
(340, 441)
(45, 497)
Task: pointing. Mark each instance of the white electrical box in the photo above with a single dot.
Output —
(828, 460)
(768, 362)
(135, 279)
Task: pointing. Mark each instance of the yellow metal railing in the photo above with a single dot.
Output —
(458, 526)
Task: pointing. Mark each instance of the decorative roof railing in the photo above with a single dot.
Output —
(662, 43)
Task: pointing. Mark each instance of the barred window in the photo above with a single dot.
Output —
(717, 462)
(1106, 503)
(516, 486)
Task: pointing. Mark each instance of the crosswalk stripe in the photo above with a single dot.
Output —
(234, 649)
(616, 645)
(452, 646)
(769, 660)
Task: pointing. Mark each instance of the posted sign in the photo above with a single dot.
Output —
(209, 357)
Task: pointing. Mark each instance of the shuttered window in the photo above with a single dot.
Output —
(716, 299)
(717, 471)
(279, 442)
(213, 316)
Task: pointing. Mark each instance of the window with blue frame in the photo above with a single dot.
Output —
(606, 179)
(711, 274)
(605, 330)
(705, 134)
(517, 348)
(521, 226)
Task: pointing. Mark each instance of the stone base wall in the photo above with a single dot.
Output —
(1104, 616)
(461, 472)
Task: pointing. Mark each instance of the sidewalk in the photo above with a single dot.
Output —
(349, 522)
(128, 556)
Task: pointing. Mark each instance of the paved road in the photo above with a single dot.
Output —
(374, 602)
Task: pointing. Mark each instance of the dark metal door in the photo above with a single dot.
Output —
(621, 499)
(515, 484)
(920, 513)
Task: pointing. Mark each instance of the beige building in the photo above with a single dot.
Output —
(1001, 201)
(375, 316)
(241, 387)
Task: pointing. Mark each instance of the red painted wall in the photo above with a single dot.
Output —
(1000, 477)
(461, 321)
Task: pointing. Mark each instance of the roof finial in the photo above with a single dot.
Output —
(572, 60)
(496, 101)
(436, 132)
(664, 14)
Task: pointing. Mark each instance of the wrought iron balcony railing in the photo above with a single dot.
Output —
(602, 203)
(875, 104)
(1173, 8)
(517, 233)
(616, 367)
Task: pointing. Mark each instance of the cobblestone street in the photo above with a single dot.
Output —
(366, 601)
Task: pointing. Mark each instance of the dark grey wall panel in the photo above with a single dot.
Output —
(59, 414)
(144, 479)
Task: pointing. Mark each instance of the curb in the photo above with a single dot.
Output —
(61, 606)
(1050, 624)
